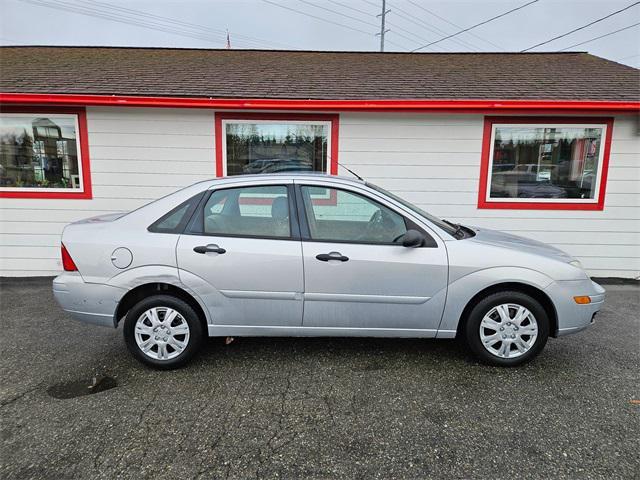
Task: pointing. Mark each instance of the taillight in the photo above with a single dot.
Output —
(67, 261)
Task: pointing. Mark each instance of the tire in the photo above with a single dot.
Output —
(523, 336)
(177, 340)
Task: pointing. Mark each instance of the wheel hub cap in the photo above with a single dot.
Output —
(508, 330)
(161, 333)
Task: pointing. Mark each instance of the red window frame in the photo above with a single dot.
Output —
(489, 122)
(333, 118)
(84, 153)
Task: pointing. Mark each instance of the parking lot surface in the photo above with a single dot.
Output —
(315, 408)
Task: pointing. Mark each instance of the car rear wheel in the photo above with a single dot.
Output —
(507, 328)
(163, 331)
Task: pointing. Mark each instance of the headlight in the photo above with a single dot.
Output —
(576, 263)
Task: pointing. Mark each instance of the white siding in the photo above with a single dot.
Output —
(139, 154)
(434, 161)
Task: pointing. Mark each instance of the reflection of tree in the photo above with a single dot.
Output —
(247, 143)
(16, 152)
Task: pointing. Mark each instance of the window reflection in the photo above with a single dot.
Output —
(545, 162)
(273, 147)
(39, 151)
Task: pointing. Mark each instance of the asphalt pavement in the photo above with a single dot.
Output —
(314, 408)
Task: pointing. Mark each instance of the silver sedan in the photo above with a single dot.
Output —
(314, 255)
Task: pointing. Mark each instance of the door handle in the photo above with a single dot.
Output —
(325, 257)
(212, 247)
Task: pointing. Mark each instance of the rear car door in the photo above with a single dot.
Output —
(242, 254)
(357, 274)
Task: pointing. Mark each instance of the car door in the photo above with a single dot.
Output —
(357, 274)
(241, 253)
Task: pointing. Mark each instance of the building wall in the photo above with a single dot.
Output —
(139, 154)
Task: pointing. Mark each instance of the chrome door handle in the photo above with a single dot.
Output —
(209, 248)
(325, 257)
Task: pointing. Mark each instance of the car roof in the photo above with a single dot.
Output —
(287, 176)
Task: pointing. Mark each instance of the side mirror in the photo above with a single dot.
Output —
(412, 239)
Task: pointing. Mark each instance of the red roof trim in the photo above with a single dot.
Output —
(457, 105)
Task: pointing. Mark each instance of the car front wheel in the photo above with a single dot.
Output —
(507, 328)
(162, 331)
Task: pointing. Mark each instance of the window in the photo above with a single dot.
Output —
(351, 218)
(275, 143)
(248, 212)
(544, 163)
(43, 153)
(176, 219)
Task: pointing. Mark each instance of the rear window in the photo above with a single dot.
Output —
(176, 220)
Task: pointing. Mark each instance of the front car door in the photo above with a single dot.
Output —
(241, 253)
(357, 274)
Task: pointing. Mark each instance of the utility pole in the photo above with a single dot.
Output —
(382, 16)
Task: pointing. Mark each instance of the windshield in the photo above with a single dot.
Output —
(450, 229)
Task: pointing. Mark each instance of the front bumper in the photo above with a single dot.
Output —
(573, 317)
(87, 302)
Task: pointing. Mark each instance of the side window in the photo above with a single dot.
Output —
(248, 211)
(338, 215)
(176, 219)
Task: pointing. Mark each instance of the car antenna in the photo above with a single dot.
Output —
(351, 172)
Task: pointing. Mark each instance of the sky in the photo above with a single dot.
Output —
(325, 24)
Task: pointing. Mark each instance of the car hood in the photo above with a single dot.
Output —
(515, 242)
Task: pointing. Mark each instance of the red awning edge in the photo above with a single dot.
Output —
(418, 105)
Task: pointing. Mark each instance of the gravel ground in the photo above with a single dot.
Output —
(316, 408)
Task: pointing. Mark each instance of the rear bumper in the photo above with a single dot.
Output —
(573, 317)
(87, 302)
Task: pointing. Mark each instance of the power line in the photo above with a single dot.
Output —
(408, 16)
(601, 36)
(339, 13)
(393, 30)
(582, 27)
(351, 8)
(357, 19)
(74, 8)
(140, 13)
(318, 18)
(82, 10)
(477, 25)
(627, 58)
(430, 12)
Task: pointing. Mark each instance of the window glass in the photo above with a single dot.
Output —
(249, 211)
(554, 162)
(447, 227)
(350, 217)
(176, 219)
(39, 151)
(272, 147)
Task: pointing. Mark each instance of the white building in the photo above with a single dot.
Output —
(543, 145)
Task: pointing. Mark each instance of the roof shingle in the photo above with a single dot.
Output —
(271, 74)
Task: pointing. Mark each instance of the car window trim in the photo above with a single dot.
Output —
(294, 228)
(429, 242)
